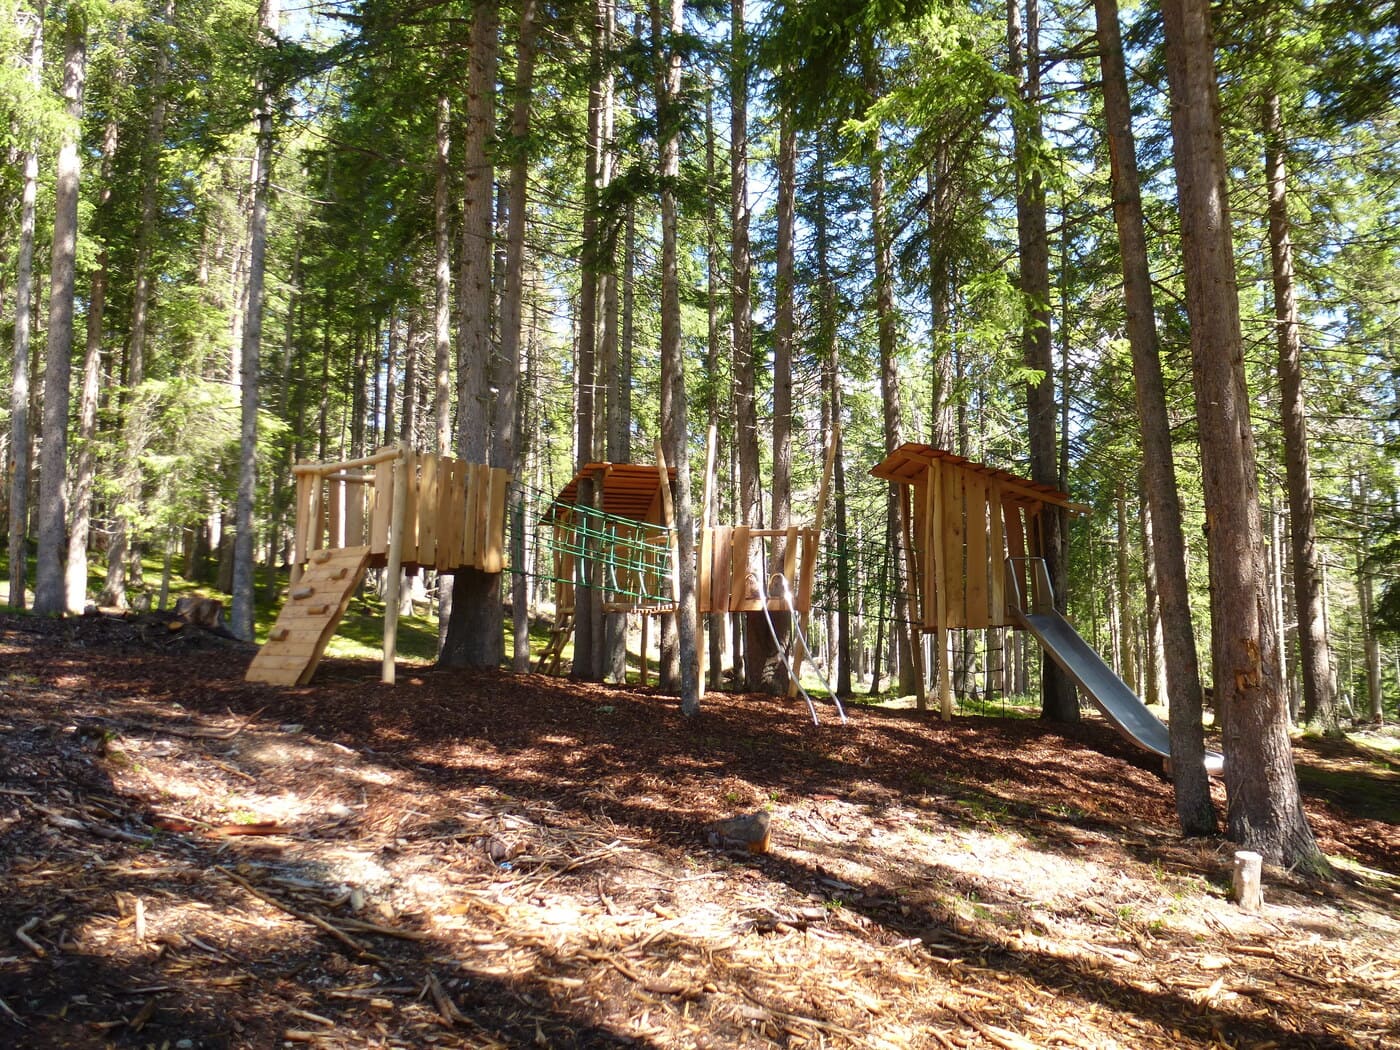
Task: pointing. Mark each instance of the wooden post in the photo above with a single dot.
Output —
(903, 495)
(668, 519)
(394, 568)
(938, 507)
(1245, 889)
(702, 577)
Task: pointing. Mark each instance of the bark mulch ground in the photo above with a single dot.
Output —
(481, 860)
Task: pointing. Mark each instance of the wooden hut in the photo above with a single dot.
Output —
(969, 532)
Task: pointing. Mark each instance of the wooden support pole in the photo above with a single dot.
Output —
(394, 568)
(702, 577)
(916, 649)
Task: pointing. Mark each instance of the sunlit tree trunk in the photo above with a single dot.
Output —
(1057, 699)
(24, 322)
(1168, 591)
(442, 281)
(49, 583)
(675, 429)
(475, 635)
(1315, 655)
(509, 443)
(1265, 811)
(241, 607)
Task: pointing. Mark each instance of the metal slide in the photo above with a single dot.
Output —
(1077, 659)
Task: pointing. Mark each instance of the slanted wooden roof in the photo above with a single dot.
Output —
(630, 490)
(906, 465)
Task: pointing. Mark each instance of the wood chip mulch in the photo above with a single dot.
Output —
(482, 860)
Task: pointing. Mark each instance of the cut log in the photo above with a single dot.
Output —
(1246, 889)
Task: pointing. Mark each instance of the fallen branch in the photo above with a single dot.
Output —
(447, 1009)
(22, 935)
(13, 1016)
(315, 920)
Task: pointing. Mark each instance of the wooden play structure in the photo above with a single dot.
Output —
(624, 540)
(398, 510)
(629, 539)
(970, 531)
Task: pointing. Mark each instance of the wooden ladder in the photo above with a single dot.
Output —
(558, 638)
(310, 617)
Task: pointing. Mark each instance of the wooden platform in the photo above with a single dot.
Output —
(310, 617)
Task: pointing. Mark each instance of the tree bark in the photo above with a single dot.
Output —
(475, 635)
(1057, 699)
(49, 582)
(1265, 812)
(1168, 587)
(1315, 655)
(674, 425)
(442, 281)
(24, 319)
(509, 446)
(241, 607)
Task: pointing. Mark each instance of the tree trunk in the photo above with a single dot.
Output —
(1265, 812)
(712, 353)
(475, 634)
(24, 318)
(886, 336)
(674, 426)
(442, 280)
(241, 607)
(509, 445)
(1057, 699)
(49, 582)
(1315, 656)
(588, 628)
(1125, 605)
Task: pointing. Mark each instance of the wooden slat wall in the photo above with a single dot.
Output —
(996, 553)
(455, 512)
(975, 487)
(953, 535)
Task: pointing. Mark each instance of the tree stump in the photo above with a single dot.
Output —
(1246, 889)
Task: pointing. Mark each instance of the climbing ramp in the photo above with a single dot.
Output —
(309, 619)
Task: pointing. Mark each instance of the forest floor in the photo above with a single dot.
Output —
(481, 860)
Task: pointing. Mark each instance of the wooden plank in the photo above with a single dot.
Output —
(953, 540)
(739, 571)
(428, 511)
(721, 578)
(811, 551)
(316, 540)
(449, 512)
(1015, 550)
(996, 554)
(302, 526)
(976, 488)
(939, 497)
(335, 514)
(355, 514)
(393, 569)
(409, 474)
(925, 595)
(467, 556)
(494, 559)
(704, 580)
(382, 501)
(790, 557)
(906, 527)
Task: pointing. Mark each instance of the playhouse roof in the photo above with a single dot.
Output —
(630, 490)
(906, 466)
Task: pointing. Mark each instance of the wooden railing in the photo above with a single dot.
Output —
(453, 511)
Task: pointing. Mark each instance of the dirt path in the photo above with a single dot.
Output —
(488, 861)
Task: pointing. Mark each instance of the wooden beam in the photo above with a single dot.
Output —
(394, 568)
